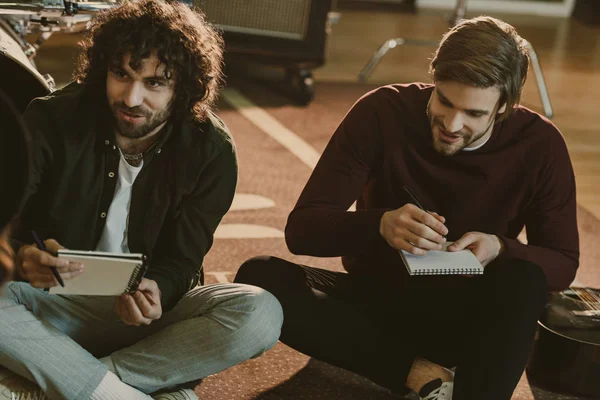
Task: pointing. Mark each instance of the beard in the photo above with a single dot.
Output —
(146, 122)
(458, 140)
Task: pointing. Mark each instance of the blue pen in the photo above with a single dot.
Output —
(42, 247)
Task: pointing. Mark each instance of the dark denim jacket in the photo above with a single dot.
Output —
(185, 187)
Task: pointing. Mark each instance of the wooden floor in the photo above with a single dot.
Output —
(569, 53)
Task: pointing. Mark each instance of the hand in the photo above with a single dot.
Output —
(413, 230)
(6, 258)
(485, 247)
(34, 265)
(141, 307)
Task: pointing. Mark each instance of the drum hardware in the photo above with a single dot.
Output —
(44, 21)
(20, 79)
(50, 82)
(29, 50)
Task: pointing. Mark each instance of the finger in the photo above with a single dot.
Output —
(71, 267)
(52, 245)
(432, 222)
(122, 312)
(148, 285)
(149, 289)
(424, 231)
(402, 244)
(465, 241)
(438, 216)
(124, 308)
(43, 278)
(419, 241)
(69, 274)
(134, 312)
(144, 305)
(47, 259)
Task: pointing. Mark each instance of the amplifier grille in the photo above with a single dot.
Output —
(287, 19)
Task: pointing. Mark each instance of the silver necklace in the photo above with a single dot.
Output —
(133, 157)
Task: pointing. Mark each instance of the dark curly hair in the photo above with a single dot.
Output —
(185, 43)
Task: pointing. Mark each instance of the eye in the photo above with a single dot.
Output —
(474, 114)
(154, 83)
(120, 74)
(445, 102)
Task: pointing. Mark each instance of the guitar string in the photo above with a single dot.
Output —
(589, 299)
(594, 295)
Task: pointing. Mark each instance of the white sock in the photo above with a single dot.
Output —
(111, 388)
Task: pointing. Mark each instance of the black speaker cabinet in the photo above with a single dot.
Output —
(287, 33)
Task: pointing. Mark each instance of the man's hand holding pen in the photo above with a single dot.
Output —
(414, 230)
(34, 265)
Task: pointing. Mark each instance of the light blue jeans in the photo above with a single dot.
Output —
(56, 341)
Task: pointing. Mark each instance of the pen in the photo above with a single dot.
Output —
(414, 199)
(42, 247)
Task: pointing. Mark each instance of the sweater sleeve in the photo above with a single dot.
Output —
(551, 220)
(321, 225)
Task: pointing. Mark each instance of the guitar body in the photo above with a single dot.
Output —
(566, 355)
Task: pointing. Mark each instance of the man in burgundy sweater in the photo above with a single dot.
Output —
(484, 168)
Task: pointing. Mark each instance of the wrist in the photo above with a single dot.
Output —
(382, 223)
(500, 245)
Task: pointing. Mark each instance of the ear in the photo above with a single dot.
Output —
(502, 109)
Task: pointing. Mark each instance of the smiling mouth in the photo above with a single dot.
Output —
(447, 137)
(130, 115)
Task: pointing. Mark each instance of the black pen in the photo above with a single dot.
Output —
(42, 247)
(413, 197)
(416, 201)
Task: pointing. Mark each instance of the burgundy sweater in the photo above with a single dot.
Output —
(521, 177)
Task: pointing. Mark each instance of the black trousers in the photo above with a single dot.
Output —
(374, 326)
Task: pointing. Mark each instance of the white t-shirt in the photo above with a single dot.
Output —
(114, 235)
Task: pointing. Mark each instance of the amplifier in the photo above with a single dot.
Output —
(272, 18)
(280, 31)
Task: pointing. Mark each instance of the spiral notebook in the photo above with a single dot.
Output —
(104, 274)
(442, 262)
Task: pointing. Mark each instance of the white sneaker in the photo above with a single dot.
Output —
(181, 394)
(15, 387)
(437, 390)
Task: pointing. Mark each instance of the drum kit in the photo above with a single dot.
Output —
(21, 20)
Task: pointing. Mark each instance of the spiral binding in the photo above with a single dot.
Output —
(134, 280)
(448, 271)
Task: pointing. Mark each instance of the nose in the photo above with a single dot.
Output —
(453, 122)
(133, 95)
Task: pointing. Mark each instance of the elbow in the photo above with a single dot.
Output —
(293, 239)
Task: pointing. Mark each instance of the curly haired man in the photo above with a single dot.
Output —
(130, 158)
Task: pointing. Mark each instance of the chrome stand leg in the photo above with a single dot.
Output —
(539, 78)
(387, 46)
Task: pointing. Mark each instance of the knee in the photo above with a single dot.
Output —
(17, 291)
(266, 318)
(525, 281)
(258, 271)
